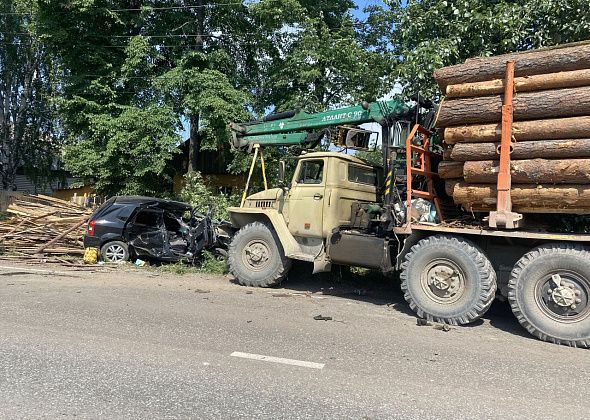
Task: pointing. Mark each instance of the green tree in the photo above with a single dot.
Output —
(29, 136)
(314, 56)
(423, 35)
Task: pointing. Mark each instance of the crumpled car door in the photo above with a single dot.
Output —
(146, 232)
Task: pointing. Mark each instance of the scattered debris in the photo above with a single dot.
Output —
(360, 292)
(442, 327)
(322, 318)
(249, 292)
(281, 295)
(422, 322)
(43, 225)
(202, 291)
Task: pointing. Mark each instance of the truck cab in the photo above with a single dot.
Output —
(301, 221)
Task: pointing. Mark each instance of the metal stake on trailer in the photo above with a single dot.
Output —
(504, 217)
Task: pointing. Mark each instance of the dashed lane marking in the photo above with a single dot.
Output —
(302, 363)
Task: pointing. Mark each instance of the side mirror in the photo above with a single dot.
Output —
(281, 172)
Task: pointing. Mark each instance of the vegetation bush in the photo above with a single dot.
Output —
(200, 195)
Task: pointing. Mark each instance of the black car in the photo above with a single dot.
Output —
(151, 228)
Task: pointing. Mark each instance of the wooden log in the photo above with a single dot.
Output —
(531, 171)
(557, 128)
(525, 196)
(447, 153)
(561, 80)
(60, 236)
(567, 58)
(448, 169)
(556, 149)
(527, 106)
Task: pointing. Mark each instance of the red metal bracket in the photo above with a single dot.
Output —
(504, 216)
(422, 167)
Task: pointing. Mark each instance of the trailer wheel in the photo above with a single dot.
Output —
(448, 279)
(256, 257)
(549, 292)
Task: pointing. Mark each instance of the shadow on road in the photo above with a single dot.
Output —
(500, 316)
(373, 287)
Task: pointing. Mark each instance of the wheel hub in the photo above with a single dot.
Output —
(442, 278)
(256, 254)
(443, 281)
(565, 297)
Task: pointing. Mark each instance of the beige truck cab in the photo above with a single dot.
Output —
(307, 220)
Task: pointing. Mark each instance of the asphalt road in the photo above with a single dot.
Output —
(137, 344)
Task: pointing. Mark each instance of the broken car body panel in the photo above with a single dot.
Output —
(153, 228)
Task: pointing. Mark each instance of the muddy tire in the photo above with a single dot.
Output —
(448, 279)
(114, 252)
(549, 292)
(256, 257)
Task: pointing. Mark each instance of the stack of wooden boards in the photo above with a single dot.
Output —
(41, 224)
(550, 159)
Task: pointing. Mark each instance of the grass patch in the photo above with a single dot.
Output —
(208, 264)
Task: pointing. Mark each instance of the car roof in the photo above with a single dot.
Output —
(139, 200)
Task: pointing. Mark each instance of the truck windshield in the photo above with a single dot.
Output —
(311, 172)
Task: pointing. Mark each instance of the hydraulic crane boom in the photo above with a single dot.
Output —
(300, 128)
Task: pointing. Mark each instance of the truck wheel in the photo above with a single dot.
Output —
(114, 252)
(448, 279)
(256, 257)
(549, 292)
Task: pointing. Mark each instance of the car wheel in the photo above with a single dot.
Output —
(115, 252)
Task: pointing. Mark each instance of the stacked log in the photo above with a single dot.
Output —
(550, 149)
(43, 225)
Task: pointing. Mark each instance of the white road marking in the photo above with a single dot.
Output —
(272, 359)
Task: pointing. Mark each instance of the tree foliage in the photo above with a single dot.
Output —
(423, 35)
(29, 137)
(314, 56)
(120, 80)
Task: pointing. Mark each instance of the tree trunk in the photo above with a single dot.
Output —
(557, 128)
(532, 197)
(540, 61)
(449, 170)
(561, 80)
(527, 106)
(533, 171)
(194, 144)
(557, 149)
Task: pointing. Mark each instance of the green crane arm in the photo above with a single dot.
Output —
(302, 128)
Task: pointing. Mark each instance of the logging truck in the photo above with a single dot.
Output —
(463, 222)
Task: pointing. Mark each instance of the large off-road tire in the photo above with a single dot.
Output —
(115, 252)
(256, 257)
(549, 292)
(448, 279)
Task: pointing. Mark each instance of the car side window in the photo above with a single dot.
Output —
(311, 172)
(148, 218)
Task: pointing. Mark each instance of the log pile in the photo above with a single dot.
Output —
(43, 225)
(550, 150)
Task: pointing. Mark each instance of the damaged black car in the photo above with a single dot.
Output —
(130, 227)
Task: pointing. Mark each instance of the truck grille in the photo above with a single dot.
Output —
(264, 203)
